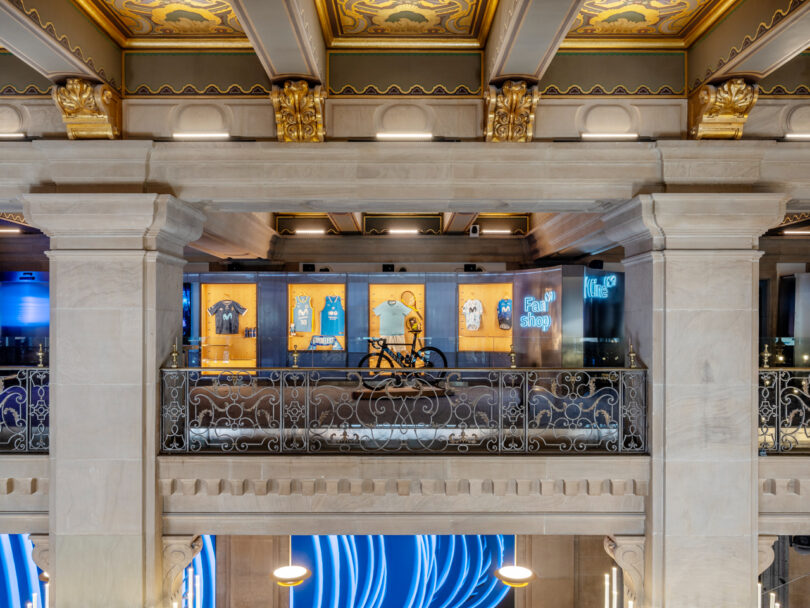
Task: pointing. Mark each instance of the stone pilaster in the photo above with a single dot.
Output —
(116, 281)
(691, 309)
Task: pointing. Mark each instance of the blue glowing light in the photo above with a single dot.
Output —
(348, 572)
(424, 571)
(19, 576)
(24, 305)
(597, 289)
(535, 312)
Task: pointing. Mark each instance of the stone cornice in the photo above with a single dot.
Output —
(349, 176)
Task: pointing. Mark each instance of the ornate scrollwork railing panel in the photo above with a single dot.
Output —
(354, 411)
(784, 410)
(24, 410)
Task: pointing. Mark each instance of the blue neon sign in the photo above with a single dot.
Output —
(597, 289)
(535, 312)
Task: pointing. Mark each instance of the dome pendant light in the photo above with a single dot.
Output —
(514, 575)
(290, 575)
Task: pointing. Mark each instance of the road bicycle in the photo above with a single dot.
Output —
(385, 358)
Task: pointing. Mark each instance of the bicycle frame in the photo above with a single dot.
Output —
(406, 360)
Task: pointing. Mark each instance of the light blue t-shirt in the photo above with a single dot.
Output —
(332, 319)
(392, 315)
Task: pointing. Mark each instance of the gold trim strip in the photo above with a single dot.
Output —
(23, 92)
(604, 91)
(181, 43)
(262, 90)
(387, 92)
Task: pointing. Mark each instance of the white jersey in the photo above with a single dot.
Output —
(473, 310)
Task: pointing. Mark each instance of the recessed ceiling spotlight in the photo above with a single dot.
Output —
(412, 136)
(201, 135)
(609, 136)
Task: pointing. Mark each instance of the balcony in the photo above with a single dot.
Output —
(784, 410)
(405, 411)
(342, 411)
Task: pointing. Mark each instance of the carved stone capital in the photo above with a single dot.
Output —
(299, 112)
(628, 553)
(765, 553)
(720, 112)
(89, 110)
(178, 551)
(510, 112)
(42, 554)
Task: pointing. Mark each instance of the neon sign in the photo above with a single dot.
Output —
(597, 289)
(535, 312)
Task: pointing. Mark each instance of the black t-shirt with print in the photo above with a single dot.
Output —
(226, 314)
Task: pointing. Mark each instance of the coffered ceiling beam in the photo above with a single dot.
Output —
(345, 222)
(458, 222)
(286, 36)
(235, 236)
(525, 36)
(754, 39)
(57, 40)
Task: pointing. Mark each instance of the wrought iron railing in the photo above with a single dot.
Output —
(458, 411)
(784, 410)
(24, 409)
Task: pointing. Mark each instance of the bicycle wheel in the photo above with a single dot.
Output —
(430, 358)
(379, 363)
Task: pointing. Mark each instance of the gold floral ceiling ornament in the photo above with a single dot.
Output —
(510, 112)
(299, 112)
(658, 22)
(720, 112)
(135, 22)
(89, 110)
(406, 23)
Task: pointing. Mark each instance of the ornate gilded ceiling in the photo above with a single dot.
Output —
(162, 22)
(644, 22)
(406, 23)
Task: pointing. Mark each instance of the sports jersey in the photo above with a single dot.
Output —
(332, 317)
(505, 314)
(472, 310)
(226, 316)
(392, 315)
(302, 314)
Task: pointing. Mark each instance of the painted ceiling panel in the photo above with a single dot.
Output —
(169, 18)
(406, 23)
(642, 20)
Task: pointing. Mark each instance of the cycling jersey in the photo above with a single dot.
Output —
(505, 314)
(473, 310)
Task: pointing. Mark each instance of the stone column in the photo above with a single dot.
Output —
(116, 272)
(691, 290)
